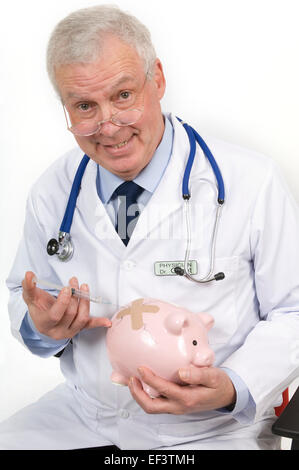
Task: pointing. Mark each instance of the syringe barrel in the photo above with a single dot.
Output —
(85, 295)
(80, 293)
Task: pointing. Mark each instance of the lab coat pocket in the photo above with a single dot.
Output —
(220, 300)
(192, 428)
(87, 411)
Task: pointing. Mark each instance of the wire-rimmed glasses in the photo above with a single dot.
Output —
(89, 127)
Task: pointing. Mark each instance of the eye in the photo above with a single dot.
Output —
(84, 106)
(125, 95)
(194, 342)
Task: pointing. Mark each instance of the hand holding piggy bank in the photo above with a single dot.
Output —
(159, 335)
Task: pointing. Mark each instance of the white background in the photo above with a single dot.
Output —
(231, 68)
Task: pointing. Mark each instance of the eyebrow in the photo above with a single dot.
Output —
(124, 79)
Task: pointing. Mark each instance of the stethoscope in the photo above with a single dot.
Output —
(63, 247)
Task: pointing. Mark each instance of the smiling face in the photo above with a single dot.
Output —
(114, 83)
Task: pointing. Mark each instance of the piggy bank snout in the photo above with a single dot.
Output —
(203, 358)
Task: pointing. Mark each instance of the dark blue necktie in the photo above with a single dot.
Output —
(128, 211)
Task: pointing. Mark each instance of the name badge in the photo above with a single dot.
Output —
(166, 268)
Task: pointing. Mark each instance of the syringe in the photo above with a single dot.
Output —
(75, 292)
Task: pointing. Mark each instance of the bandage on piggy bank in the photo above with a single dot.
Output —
(161, 336)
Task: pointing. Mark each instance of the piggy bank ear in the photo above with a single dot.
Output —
(207, 320)
(174, 322)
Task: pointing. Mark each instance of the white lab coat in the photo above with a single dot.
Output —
(255, 307)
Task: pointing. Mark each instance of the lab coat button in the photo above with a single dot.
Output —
(124, 414)
(129, 265)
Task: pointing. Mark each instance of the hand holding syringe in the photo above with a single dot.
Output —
(64, 316)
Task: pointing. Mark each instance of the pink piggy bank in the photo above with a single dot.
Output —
(159, 335)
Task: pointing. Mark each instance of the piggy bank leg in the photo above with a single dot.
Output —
(149, 390)
(119, 379)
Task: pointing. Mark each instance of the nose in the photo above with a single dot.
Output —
(203, 358)
(108, 129)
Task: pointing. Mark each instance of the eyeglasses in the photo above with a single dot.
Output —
(90, 127)
(123, 118)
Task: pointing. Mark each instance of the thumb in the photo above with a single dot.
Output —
(96, 322)
(198, 375)
(29, 287)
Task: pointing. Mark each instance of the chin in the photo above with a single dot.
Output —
(126, 168)
(125, 173)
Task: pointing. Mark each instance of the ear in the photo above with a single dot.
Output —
(159, 78)
(207, 320)
(174, 322)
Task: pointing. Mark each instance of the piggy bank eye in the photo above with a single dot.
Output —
(194, 342)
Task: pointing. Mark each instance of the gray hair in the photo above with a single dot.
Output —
(77, 38)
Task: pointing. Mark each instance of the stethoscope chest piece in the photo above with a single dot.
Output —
(62, 247)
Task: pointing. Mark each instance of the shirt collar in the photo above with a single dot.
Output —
(148, 178)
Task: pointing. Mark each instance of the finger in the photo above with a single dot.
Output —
(83, 319)
(96, 322)
(29, 287)
(164, 387)
(58, 309)
(149, 405)
(73, 282)
(207, 376)
(82, 312)
(72, 308)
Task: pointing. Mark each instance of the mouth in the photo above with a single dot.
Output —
(120, 148)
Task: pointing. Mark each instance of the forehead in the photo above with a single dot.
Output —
(118, 64)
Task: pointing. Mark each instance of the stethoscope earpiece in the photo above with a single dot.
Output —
(218, 277)
(179, 271)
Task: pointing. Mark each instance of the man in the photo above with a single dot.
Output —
(110, 82)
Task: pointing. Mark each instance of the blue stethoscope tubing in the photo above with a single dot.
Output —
(64, 239)
(71, 205)
(193, 138)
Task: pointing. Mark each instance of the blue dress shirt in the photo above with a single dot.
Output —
(106, 183)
